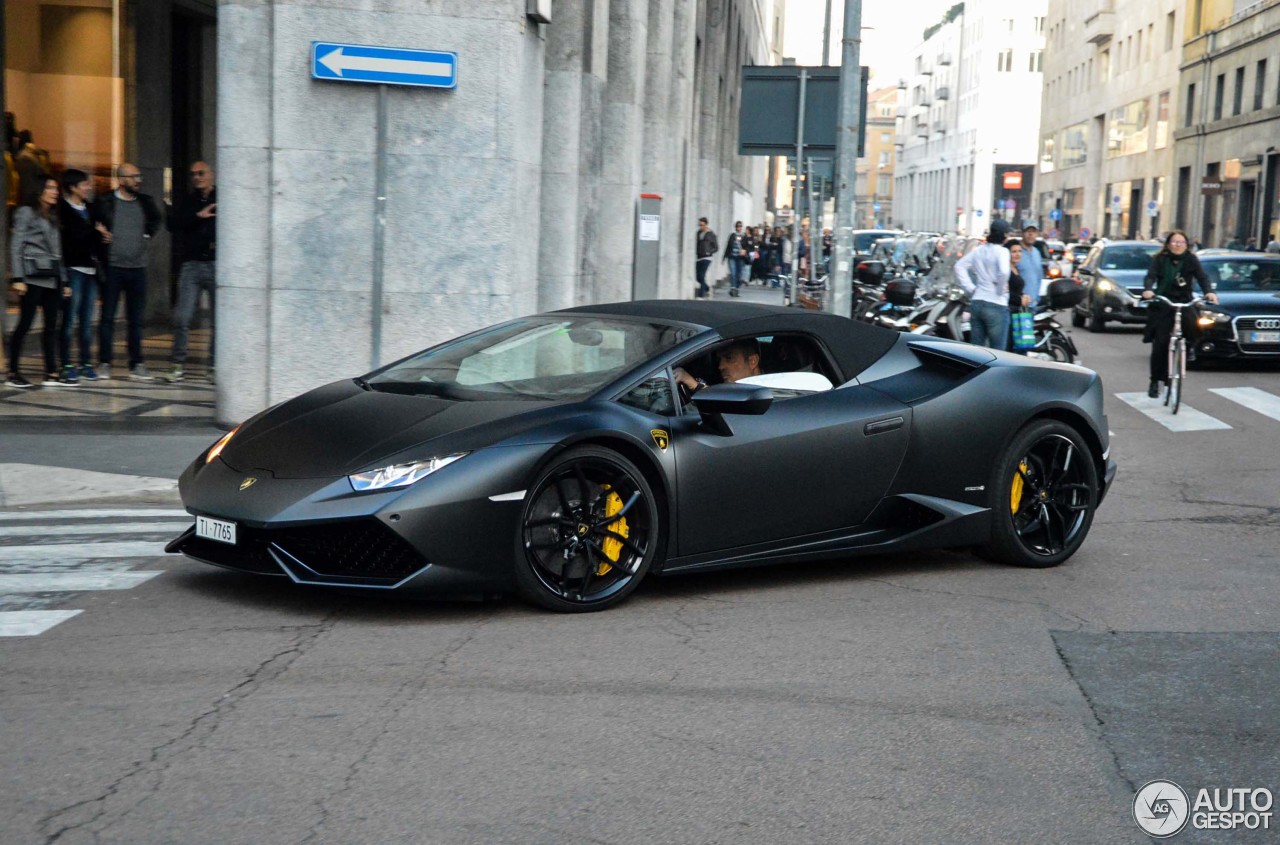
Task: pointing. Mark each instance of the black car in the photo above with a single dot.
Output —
(560, 457)
(1112, 275)
(1246, 321)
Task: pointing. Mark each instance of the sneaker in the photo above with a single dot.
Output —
(68, 376)
(51, 380)
(16, 380)
(104, 372)
(138, 372)
(87, 373)
(173, 376)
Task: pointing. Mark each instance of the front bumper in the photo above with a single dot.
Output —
(1121, 308)
(443, 535)
(1233, 340)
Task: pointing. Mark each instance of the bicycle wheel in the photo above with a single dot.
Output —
(1176, 370)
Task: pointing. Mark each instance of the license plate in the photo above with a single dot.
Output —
(1264, 337)
(216, 529)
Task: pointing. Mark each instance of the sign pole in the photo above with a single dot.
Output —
(794, 282)
(847, 137)
(379, 225)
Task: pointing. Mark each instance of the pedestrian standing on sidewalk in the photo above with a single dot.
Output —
(35, 253)
(1018, 298)
(81, 242)
(736, 255)
(195, 220)
(706, 250)
(127, 220)
(984, 274)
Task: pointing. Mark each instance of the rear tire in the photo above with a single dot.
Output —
(1044, 490)
(1077, 319)
(1060, 350)
(1097, 322)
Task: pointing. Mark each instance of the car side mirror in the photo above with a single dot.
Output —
(1084, 271)
(720, 399)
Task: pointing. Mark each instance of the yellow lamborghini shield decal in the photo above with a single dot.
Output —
(660, 438)
(248, 482)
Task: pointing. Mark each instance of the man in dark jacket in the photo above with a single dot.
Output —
(128, 219)
(706, 251)
(195, 221)
(81, 241)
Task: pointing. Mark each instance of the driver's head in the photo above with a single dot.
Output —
(738, 360)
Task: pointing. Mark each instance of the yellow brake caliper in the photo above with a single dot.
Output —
(612, 546)
(1015, 492)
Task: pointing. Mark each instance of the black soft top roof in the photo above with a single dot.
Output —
(855, 345)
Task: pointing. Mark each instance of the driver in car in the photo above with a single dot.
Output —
(737, 360)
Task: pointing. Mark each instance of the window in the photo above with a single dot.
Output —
(1168, 32)
(1046, 154)
(1259, 84)
(1191, 105)
(883, 160)
(1219, 93)
(1151, 40)
(884, 137)
(1038, 24)
(1237, 97)
(1036, 65)
(1137, 56)
(1127, 133)
(1104, 65)
(884, 184)
(653, 395)
(1004, 61)
(1008, 22)
(797, 356)
(1162, 120)
(1074, 145)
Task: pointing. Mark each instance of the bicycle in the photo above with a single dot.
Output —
(1177, 352)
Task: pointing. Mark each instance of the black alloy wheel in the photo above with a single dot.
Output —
(589, 532)
(1044, 493)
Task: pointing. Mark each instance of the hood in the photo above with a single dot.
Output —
(1253, 303)
(342, 428)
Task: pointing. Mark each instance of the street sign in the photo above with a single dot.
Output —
(1153, 209)
(383, 65)
(875, 206)
(977, 212)
(1055, 214)
(1084, 234)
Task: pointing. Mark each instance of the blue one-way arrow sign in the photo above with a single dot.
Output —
(383, 65)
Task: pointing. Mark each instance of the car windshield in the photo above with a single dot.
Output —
(1244, 274)
(536, 358)
(1135, 257)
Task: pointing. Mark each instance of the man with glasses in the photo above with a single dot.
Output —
(195, 221)
(127, 218)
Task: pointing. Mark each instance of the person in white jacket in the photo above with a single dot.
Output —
(984, 275)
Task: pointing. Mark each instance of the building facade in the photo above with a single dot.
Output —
(1108, 113)
(514, 193)
(1227, 144)
(874, 188)
(969, 118)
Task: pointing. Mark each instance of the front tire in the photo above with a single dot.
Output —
(589, 532)
(1060, 350)
(1044, 493)
(1097, 322)
(1077, 319)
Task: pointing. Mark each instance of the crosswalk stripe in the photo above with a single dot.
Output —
(31, 623)
(82, 551)
(96, 513)
(74, 529)
(63, 582)
(1252, 398)
(1187, 418)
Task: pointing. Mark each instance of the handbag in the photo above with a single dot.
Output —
(37, 263)
(1024, 330)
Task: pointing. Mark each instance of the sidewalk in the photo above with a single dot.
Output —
(117, 401)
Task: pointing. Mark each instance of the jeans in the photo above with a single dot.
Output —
(84, 288)
(738, 268)
(194, 277)
(47, 300)
(132, 282)
(988, 324)
(702, 265)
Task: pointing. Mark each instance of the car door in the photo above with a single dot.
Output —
(808, 465)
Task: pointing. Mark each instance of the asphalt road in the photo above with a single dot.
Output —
(910, 698)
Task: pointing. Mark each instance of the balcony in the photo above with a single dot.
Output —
(1101, 25)
(943, 93)
(901, 111)
(927, 70)
(899, 140)
(902, 84)
(944, 59)
(922, 131)
(925, 101)
(940, 127)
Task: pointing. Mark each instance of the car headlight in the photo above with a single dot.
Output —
(216, 449)
(1104, 285)
(399, 475)
(1208, 318)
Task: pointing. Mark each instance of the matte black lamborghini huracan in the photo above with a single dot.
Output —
(561, 456)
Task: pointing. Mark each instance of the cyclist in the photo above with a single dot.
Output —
(1171, 273)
